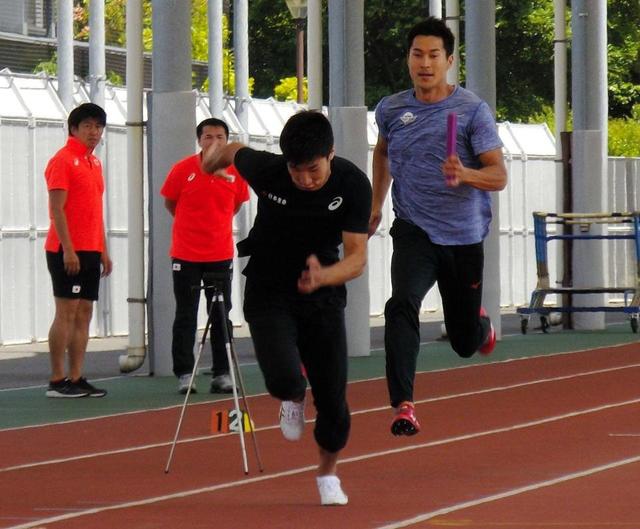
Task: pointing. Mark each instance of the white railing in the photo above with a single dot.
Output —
(27, 141)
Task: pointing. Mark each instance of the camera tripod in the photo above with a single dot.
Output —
(218, 303)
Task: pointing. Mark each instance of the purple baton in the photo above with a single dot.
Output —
(452, 125)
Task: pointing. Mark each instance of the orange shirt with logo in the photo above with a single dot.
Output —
(205, 206)
(77, 171)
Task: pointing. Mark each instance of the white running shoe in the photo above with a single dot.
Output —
(221, 384)
(331, 492)
(292, 419)
(183, 384)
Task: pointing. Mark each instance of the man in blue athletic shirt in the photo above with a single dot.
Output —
(442, 209)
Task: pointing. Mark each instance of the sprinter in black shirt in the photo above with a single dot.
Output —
(309, 202)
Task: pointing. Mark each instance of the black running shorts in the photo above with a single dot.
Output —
(85, 285)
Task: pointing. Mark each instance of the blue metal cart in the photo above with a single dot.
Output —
(583, 222)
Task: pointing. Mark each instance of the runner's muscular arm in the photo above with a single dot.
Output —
(349, 267)
(492, 176)
(57, 200)
(381, 182)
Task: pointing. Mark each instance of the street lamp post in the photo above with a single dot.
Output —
(298, 10)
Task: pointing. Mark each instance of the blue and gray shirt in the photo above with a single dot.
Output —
(416, 134)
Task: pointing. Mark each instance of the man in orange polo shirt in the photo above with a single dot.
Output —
(203, 207)
(76, 248)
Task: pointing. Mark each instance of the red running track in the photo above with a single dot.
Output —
(551, 441)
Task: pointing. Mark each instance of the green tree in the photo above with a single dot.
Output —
(623, 35)
(287, 89)
(116, 23)
(524, 66)
(385, 43)
(272, 45)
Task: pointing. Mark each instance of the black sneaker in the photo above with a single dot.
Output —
(90, 389)
(65, 389)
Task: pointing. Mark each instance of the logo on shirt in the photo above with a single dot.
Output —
(76, 162)
(275, 198)
(191, 177)
(75, 289)
(335, 204)
(407, 118)
(176, 267)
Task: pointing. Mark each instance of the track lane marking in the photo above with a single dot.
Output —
(510, 493)
(469, 365)
(353, 459)
(161, 444)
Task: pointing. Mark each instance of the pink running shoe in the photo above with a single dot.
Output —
(490, 343)
(405, 421)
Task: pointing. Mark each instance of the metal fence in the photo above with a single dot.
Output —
(32, 129)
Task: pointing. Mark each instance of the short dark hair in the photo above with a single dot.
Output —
(86, 111)
(305, 136)
(434, 27)
(211, 122)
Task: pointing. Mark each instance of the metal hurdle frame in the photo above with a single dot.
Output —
(543, 287)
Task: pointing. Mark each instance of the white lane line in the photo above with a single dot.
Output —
(124, 413)
(509, 387)
(466, 366)
(166, 497)
(509, 493)
(42, 386)
(364, 457)
(358, 412)
(124, 450)
(61, 509)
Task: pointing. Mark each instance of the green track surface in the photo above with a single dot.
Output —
(29, 406)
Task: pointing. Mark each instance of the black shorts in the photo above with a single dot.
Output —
(85, 285)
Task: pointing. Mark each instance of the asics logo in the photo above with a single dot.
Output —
(335, 204)
(407, 118)
(191, 177)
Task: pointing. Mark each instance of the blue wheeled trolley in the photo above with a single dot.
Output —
(583, 221)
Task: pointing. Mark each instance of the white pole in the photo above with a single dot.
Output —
(480, 40)
(589, 148)
(314, 54)
(560, 70)
(453, 22)
(348, 116)
(97, 69)
(241, 55)
(136, 303)
(435, 8)
(216, 94)
(65, 53)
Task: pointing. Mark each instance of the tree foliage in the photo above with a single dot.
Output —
(524, 43)
(116, 23)
(623, 34)
(272, 45)
(287, 90)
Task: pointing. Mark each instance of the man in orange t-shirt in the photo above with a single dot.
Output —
(203, 207)
(76, 248)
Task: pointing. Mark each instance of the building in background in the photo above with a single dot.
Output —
(28, 38)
